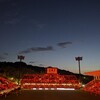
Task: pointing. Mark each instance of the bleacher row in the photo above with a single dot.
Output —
(49, 78)
(49, 81)
(93, 87)
(6, 86)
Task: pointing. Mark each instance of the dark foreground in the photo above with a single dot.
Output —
(51, 95)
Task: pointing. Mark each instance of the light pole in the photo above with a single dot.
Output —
(20, 57)
(78, 59)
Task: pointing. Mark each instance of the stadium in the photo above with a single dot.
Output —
(50, 85)
(50, 81)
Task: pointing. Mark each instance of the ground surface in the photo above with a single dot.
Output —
(51, 95)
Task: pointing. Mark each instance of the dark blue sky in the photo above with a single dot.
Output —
(51, 32)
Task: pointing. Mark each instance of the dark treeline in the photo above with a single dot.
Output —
(10, 69)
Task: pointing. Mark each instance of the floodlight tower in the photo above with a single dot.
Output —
(78, 59)
(20, 57)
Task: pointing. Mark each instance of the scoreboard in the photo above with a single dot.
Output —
(51, 70)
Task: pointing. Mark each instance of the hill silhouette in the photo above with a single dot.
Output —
(18, 69)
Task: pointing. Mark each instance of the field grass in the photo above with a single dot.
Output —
(50, 95)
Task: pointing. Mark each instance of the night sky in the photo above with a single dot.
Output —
(51, 32)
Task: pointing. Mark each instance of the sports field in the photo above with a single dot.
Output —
(51, 95)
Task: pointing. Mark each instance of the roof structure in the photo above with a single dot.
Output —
(93, 73)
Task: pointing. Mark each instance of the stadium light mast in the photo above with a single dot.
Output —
(20, 57)
(78, 59)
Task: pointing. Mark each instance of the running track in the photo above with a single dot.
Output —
(51, 95)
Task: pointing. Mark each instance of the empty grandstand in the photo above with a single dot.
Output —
(6, 86)
(50, 80)
(5, 83)
(94, 85)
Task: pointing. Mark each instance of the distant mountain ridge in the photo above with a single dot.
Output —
(10, 69)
